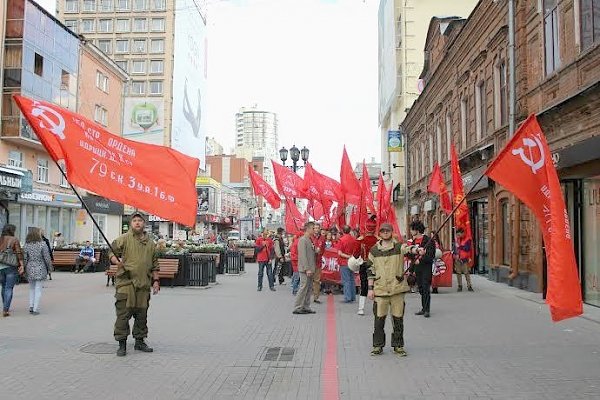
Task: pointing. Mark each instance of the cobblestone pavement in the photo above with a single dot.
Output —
(231, 342)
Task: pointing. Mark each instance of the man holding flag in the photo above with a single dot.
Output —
(462, 258)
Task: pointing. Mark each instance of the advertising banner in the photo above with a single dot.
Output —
(394, 141)
(144, 120)
(203, 200)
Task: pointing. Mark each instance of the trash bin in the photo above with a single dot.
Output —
(198, 269)
(232, 263)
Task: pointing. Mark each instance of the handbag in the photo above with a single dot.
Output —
(8, 256)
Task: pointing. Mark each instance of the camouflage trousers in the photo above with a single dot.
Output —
(124, 314)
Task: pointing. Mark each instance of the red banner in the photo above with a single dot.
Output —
(348, 179)
(330, 269)
(525, 168)
(442, 271)
(438, 186)
(156, 179)
(461, 216)
(294, 220)
(262, 188)
(289, 184)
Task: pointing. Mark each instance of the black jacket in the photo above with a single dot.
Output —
(45, 239)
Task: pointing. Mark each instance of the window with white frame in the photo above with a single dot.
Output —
(71, 6)
(122, 64)
(157, 25)
(159, 5)
(123, 5)
(87, 25)
(501, 95)
(63, 181)
(590, 23)
(15, 159)
(138, 87)
(156, 87)
(101, 115)
(157, 46)
(448, 134)
(122, 46)
(71, 24)
(138, 67)
(139, 46)
(105, 45)
(157, 66)
(105, 25)
(431, 141)
(123, 25)
(101, 81)
(96, 236)
(551, 44)
(140, 5)
(480, 110)
(438, 142)
(42, 170)
(464, 118)
(89, 5)
(105, 5)
(423, 152)
(140, 25)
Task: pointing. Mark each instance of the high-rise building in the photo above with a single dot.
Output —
(162, 44)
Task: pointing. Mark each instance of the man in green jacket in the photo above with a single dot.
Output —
(387, 287)
(135, 255)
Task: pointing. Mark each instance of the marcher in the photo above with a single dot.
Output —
(264, 246)
(422, 263)
(438, 246)
(366, 243)
(45, 239)
(387, 287)
(137, 260)
(463, 260)
(11, 265)
(294, 260)
(348, 247)
(306, 269)
(281, 261)
(318, 241)
(37, 263)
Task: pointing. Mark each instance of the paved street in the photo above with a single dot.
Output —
(496, 343)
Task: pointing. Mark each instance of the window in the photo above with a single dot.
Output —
(422, 161)
(480, 122)
(122, 46)
(122, 64)
(156, 66)
(71, 24)
(71, 6)
(140, 25)
(448, 134)
(463, 122)
(123, 5)
(65, 79)
(105, 25)
(138, 67)
(431, 141)
(96, 236)
(38, 65)
(138, 87)
(501, 95)
(157, 46)
(139, 46)
(156, 87)
(42, 170)
(105, 45)
(123, 25)
(15, 159)
(101, 81)
(159, 5)
(87, 25)
(63, 181)
(590, 22)
(140, 5)
(506, 233)
(101, 115)
(89, 5)
(438, 142)
(105, 5)
(158, 25)
(551, 50)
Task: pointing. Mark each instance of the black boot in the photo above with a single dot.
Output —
(122, 351)
(142, 346)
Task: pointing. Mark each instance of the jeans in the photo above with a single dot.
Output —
(348, 284)
(261, 266)
(8, 277)
(35, 293)
(295, 282)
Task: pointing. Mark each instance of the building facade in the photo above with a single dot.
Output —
(465, 102)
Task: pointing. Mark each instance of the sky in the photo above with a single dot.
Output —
(313, 62)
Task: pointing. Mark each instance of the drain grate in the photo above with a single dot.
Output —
(99, 348)
(279, 354)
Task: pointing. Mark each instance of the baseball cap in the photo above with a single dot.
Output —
(137, 214)
(386, 227)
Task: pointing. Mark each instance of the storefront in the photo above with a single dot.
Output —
(108, 215)
(478, 201)
(11, 184)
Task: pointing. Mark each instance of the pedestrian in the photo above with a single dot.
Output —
(462, 256)
(347, 247)
(281, 261)
(45, 239)
(85, 259)
(11, 265)
(438, 246)
(264, 246)
(37, 263)
(294, 260)
(306, 270)
(137, 260)
(318, 242)
(422, 254)
(387, 287)
(366, 243)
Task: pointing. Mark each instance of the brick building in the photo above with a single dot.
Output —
(465, 101)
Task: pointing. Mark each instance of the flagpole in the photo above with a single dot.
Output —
(86, 209)
(259, 217)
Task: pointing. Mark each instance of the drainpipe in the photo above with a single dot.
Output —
(516, 239)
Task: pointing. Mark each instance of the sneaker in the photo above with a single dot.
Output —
(35, 313)
(361, 312)
(30, 310)
(420, 312)
(258, 289)
(299, 312)
(434, 290)
(376, 351)
(470, 289)
(426, 314)
(272, 289)
(317, 301)
(309, 311)
(459, 289)
(400, 351)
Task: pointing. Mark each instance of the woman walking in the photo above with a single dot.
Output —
(37, 264)
(11, 265)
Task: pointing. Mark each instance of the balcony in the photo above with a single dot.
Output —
(19, 133)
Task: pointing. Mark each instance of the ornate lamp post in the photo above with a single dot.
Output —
(295, 154)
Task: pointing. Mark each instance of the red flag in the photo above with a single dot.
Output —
(393, 219)
(262, 188)
(289, 184)
(156, 179)
(525, 168)
(330, 189)
(315, 208)
(348, 179)
(311, 183)
(294, 220)
(461, 216)
(365, 183)
(437, 185)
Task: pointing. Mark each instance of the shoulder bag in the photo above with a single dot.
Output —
(8, 255)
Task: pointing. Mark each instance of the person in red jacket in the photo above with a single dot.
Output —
(294, 259)
(462, 256)
(347, 247)
(318, 241)
(366, 243)
(264, 246)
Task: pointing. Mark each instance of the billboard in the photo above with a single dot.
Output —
(386, 57)
(394, 141)
(188, 134)
(144, 120)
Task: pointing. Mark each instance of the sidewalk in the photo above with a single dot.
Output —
(231, 342)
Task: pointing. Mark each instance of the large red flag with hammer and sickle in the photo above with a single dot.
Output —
(262, 188)
(289, 183)
(525, 168)
(461, 215)
(156, 179)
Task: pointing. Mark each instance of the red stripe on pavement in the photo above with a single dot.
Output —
(329, 374)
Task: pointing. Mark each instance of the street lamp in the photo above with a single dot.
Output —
(295, 154)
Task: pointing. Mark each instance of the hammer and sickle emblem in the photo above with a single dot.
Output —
(57, 126)
(531, 143)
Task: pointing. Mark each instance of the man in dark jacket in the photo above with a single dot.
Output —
(422, 255)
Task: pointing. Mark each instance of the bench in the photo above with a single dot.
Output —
(248, 253)
(66, 258)
(168, 269)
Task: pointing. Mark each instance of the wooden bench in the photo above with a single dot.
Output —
(66, 258)
(168, 269)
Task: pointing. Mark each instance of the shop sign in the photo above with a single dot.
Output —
(155, 218)
(100, 205)
(394, 141)
(44, 197)
(11, 181)
(51, 199)
(428, 206)
(471, 177)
